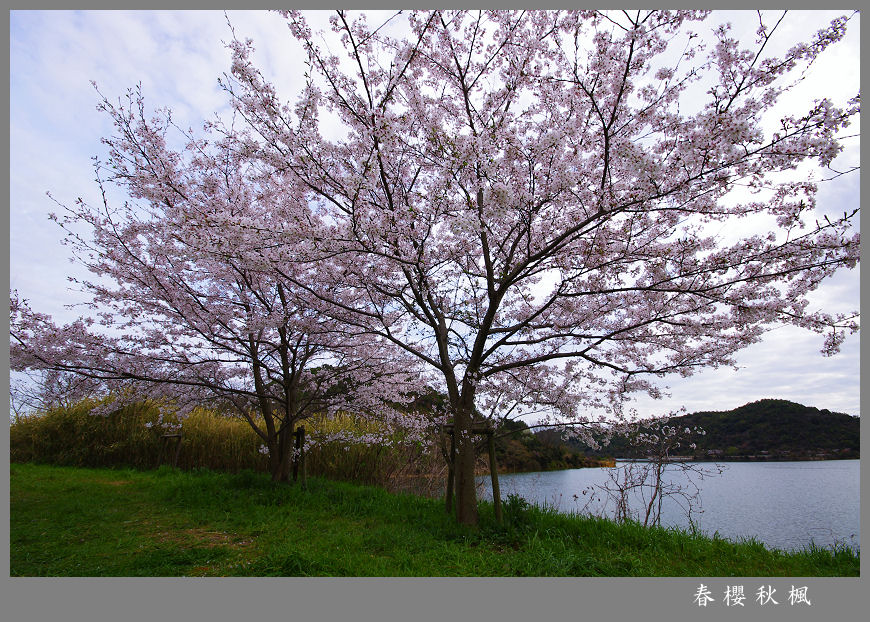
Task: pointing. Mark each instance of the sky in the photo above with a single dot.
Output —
(177, 57)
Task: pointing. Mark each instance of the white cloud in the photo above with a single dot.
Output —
(786, 365)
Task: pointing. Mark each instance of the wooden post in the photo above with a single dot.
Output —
(448, 499)
(297, 449)
(302, 455)
(493, 472)
(299, 460)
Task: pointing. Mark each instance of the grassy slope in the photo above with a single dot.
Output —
(98, 522)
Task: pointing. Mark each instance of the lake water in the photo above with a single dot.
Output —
(785, 505)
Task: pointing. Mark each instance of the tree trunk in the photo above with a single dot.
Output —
(280, 453)
(466, 491)
(275, 460)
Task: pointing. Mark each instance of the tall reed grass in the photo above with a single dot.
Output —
(71, 436)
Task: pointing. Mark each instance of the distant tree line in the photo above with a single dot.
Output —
(768, 428)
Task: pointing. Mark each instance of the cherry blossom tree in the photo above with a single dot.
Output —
(556, 209)
(185, 313)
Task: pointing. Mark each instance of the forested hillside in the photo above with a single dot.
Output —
(766, 429)
(519, 450)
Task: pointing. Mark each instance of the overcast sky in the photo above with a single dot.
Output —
(178, 57)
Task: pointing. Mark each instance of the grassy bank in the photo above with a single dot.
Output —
(68, 521)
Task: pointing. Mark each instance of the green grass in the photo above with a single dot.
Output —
(70, 521)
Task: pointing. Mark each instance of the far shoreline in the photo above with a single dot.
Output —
(682, 459)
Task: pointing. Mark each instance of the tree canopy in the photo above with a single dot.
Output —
(542, 209)
(187, 313)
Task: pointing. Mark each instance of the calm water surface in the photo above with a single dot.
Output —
(785, 505)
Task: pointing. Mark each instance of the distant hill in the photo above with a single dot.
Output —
(519, 450)
(766, 429)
